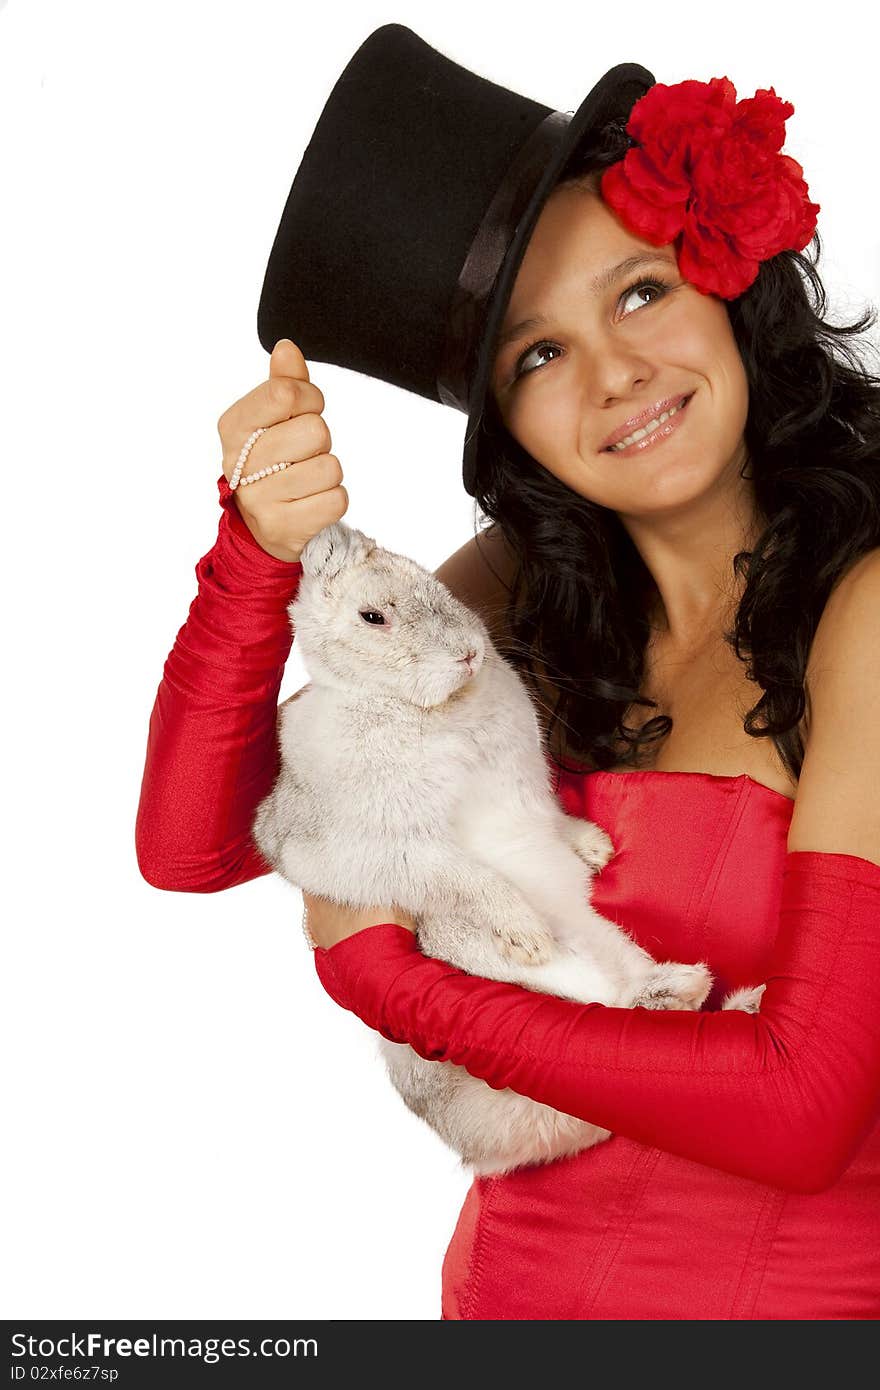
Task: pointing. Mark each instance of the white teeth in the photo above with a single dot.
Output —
(648, 429)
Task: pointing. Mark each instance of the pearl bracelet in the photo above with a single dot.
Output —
(237, 480)
(306, 932)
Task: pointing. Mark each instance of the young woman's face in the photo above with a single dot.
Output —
(606, 352)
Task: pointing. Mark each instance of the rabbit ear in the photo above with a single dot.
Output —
(333, 548)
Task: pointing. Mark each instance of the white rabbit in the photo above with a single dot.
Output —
(412, 772)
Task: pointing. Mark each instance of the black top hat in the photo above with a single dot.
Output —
(410, 213)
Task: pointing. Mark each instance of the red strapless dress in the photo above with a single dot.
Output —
(624, 1230)
(742, 1179)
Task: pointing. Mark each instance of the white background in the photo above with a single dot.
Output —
(194, 1128)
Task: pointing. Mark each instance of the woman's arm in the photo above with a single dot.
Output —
(212, 751)
(783, 1097)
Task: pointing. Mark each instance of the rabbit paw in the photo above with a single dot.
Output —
(674, 986)
(748, 1000)
(590, 842)
(523, 945)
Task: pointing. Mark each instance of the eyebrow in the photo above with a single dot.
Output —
(599, 282)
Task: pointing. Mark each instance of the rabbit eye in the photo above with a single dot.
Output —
(369, 614)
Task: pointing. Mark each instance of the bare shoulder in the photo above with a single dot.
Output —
(850, 609)
(837, 809)
(480, 575)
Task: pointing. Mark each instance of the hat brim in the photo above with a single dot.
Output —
(614, 94)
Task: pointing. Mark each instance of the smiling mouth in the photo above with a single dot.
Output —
(650, 428)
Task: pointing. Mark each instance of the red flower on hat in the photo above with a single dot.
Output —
(707, 169)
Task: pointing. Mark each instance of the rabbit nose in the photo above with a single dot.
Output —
(470, 656)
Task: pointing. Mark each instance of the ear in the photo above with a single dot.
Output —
(333, 548)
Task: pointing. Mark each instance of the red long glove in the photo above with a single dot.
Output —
(783, 1097)
(212, 751)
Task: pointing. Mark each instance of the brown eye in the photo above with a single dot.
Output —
(540, 347)
(370, 615)
(656, 287)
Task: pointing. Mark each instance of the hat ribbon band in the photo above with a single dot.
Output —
(486, 255)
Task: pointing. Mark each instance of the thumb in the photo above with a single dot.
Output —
(287, 360)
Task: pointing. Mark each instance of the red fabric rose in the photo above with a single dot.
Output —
(708, 170)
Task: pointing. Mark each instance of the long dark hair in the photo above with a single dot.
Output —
(577, 614)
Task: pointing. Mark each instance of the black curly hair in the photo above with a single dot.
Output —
(577, 615)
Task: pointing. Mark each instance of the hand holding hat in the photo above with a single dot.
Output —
(281, 422)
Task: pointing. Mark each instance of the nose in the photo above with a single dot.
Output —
(470, 656)
(614, 371)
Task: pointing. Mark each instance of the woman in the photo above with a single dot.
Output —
(741, 1181)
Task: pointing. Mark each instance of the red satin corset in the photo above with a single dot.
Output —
(624, 1231)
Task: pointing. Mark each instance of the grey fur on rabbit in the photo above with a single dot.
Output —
(412, 771)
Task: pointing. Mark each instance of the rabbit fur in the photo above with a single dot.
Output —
(412, 772)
